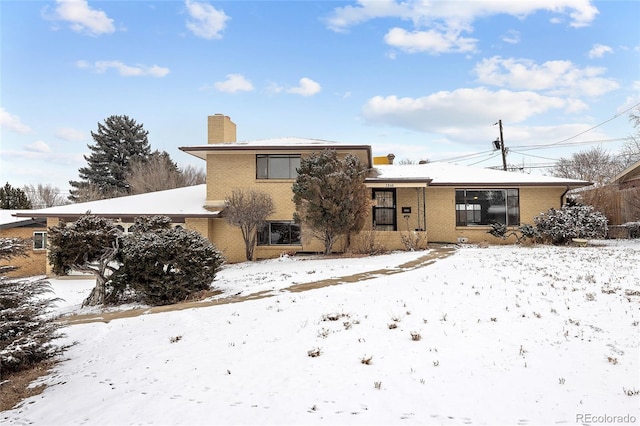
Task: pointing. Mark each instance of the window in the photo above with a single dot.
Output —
(487, 206)
(39, 240)
(277, 166)
(279, 233)
(384, 209)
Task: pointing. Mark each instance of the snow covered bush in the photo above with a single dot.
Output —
(571, 221)
(26, 329)
(165, 265)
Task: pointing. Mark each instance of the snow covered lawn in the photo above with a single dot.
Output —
(498, 335)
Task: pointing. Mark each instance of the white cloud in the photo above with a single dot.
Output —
(234, 83)
(274, 88)
(12, 122)
(431, 41)
(511, 37)
(39, 147)
(554, 77)
(444, 111)
(438, 25)
(82, 18)
(69, 134)
(123, 69)
(307, 87)
(205, 20)
(598, 51)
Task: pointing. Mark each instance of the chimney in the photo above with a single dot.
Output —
(220, 129)
(390, 157)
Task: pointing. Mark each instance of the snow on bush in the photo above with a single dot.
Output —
(571, 221)
(165, 265)
(26, 329)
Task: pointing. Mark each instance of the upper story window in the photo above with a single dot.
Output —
(487, 206)
(277, 166)
(39, 240)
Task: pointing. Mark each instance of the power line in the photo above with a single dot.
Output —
(598, 125)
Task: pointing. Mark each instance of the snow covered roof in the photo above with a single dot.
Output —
(176, 203)
(445, 174)
(273, 145)
(8, 220)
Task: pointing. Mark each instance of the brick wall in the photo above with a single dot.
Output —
(35, 263)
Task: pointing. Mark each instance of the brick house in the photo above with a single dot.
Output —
(438, 201)
(32, 229)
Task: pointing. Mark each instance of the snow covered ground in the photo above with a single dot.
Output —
(497, 335)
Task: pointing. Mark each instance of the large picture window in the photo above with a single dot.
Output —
(270, 166)
(487, 206)
(279, 233)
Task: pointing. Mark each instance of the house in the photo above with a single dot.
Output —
(627, 183)
(32, 229)
(438, 201)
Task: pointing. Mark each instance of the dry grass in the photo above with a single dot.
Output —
(14, 387)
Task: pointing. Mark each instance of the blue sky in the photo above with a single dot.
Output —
(420, 79)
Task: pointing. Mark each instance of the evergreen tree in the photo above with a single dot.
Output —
(90, 245)
(330, 196)
(26, 332)
(13, 198)
(118, 141)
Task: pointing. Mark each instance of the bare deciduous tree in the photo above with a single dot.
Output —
(91, 192)
(43, 196)
(594, 165)
(630, 152)
(159, 172)
(155, 173)
(248, 211)
(192, 175)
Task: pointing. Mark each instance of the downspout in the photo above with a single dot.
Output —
(563, 194)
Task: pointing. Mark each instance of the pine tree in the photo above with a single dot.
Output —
(330, 196)
(118, 141)
(26, 332)
(13, 198)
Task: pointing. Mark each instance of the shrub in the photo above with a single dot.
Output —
(166, 265)
(571, 221)
(523, 232)
(26, 331)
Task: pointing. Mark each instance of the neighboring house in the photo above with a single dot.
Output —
(33, 230)
(618, 200)
(443, 202)
(627, 184)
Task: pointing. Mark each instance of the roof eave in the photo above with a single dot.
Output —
(201, 151)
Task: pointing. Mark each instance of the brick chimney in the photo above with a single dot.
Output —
(220, 129)
(390, 158)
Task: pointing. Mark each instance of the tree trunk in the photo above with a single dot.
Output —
(96, 297)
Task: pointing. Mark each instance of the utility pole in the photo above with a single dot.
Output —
(499, 144)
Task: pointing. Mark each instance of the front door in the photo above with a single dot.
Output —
(384, 209)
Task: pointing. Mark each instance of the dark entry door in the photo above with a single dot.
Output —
(384, 210)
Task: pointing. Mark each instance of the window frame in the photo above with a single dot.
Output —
(469, 206)
(42, 240)
(263, 240)
(268, 170)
